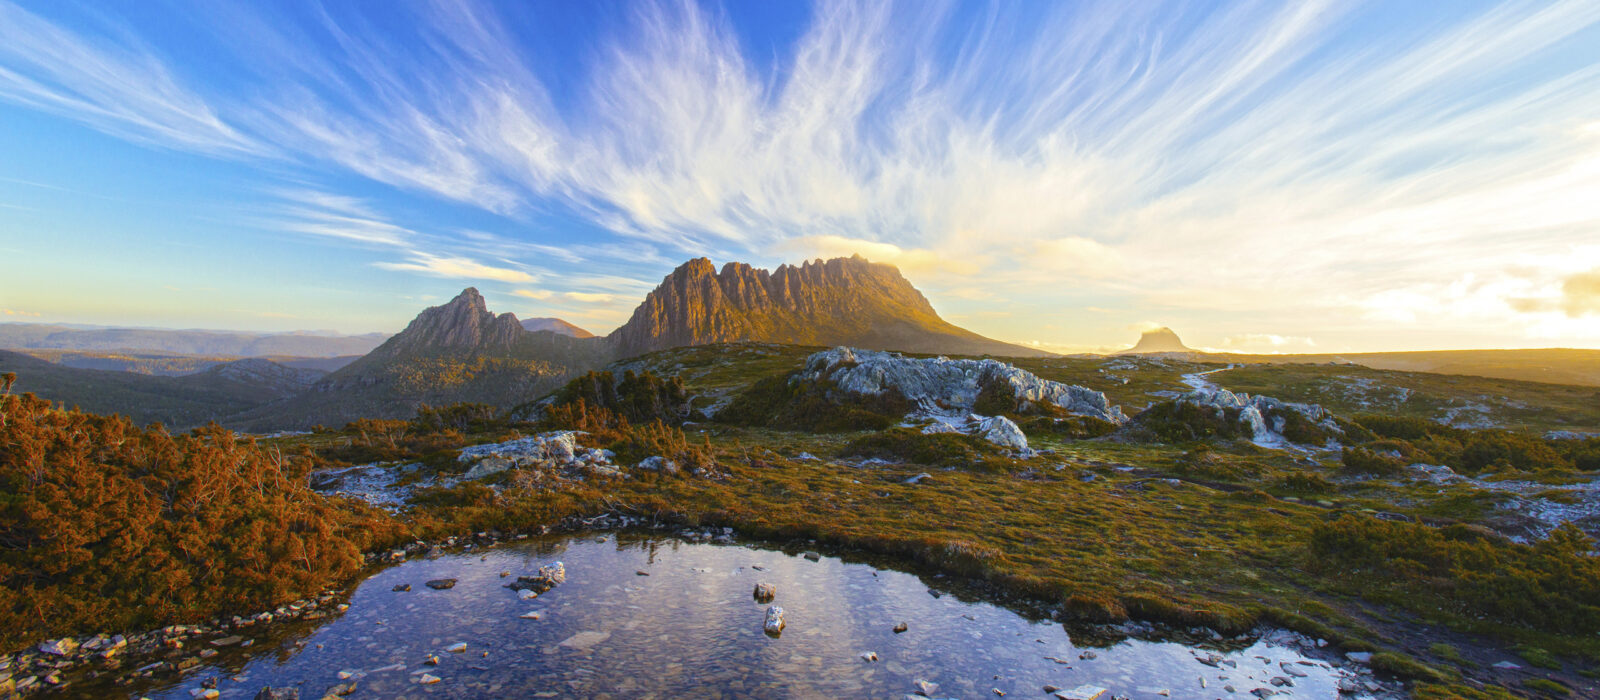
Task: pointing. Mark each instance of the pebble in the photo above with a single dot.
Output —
(457, 648)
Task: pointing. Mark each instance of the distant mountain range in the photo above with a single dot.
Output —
(218, 393)
(21, 336)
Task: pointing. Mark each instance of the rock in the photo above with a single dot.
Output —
(1082, 692)
(59, 647)
(658, 464)
(431, 659)
(869, 656)
(457, 648)
(641, 572)
(813, 556)
(1506, 665)
(428, 679)
(527, 594)
(901, 627)
(546, 578)
(442, 584)
(402, 588)
(1001, 431)
(342, 689)
(1360, 657)
(533, 615)
(270, 693)
(765, 592)
(205, 693)
(938, 385)
(487, 467)
(774, 623)
(1263, 692)
(227, 641)
(918, 478)
(938, 427)
(925, 688)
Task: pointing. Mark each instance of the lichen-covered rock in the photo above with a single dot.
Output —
(942, 385)
(658, 464)
(546, 578)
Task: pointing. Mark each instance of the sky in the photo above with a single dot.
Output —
(1321, 176)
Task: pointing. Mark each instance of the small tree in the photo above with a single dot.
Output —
(6, 380)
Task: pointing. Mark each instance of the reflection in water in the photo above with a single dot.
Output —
(690, 628)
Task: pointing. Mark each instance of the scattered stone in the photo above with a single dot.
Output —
(813, 556)
(59, 647)
(548, 577)
(431, 659)
(641, 573)
(900, 628)
(533, 615)
(270, 693)
(442, 584)
(227, 641)
(765, 592)
(1082, 692)
(1360, 657)
(918, 478)
(925, 688)
(205, 693)
(457, 648)
(1506, 665)
(869, 656)
(774, 623)
(428, 679)
(342, 689)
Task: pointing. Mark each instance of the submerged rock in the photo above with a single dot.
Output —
(548, 577)
(442, 584)
(270, 693)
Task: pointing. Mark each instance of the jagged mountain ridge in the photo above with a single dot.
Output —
(843, 301)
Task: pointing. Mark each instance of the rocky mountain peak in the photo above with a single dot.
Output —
(463, 323)
(843, 301)
(1159, 340)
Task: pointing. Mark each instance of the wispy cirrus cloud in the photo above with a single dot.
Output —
(1319, 162)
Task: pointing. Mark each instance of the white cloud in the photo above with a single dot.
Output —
(539, 294)
(15, 312)
(456, 268)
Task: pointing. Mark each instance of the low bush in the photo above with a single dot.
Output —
(1552, 585)
(106, 526)
(1361, 460)
(813, 406)
(640, 398)
(937, 449)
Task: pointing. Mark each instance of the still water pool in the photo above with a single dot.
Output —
(653, 617)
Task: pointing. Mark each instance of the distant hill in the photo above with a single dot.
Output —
(183, 402)
(843, 301)
(18, 336)
(169, 365)
(458, 351)
(555, 325)
(1550, 365)
(1158, 340)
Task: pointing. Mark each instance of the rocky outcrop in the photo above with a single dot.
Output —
(843, 301)
(553, 455)
(941, 386)
(1267, 418)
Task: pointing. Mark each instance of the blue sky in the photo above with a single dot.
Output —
(1319, 176)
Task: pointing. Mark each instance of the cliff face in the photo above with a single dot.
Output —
(844, 301)
(464, 323)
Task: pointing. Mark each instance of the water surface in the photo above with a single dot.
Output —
(690, 628)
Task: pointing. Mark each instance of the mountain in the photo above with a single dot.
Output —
(213, 394)
(1158, 340)
(19, 336)
(555, 325)
(458, 351)
(843, 301)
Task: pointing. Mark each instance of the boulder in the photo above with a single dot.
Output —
(774, 623)
(765, 592)
(59, 647)
(1001, 431)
